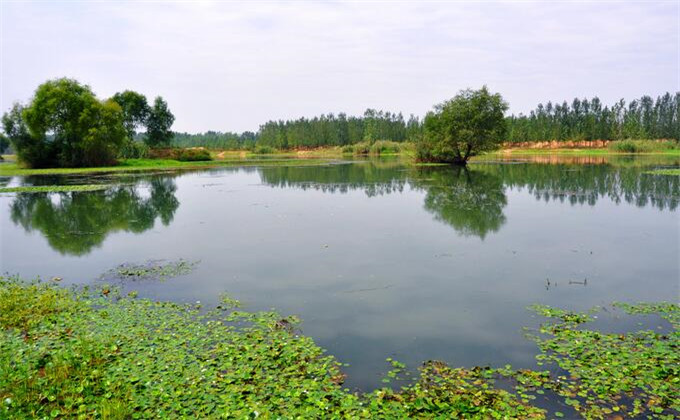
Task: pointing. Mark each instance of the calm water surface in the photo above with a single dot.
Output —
(378, 259)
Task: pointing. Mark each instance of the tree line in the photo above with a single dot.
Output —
(216, 140)
(340, 130)
(66, 125)
(581, 119)
(325, 130)
(644, 118)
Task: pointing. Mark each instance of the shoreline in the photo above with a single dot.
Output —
(320, 156)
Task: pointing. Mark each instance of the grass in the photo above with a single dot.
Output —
(54, 188)
(129, 165)
(645, 146)
(97, 354)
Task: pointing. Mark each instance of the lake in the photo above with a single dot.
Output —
(379, 259)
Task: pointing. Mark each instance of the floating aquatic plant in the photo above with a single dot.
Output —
(92, 353)
(151, 270)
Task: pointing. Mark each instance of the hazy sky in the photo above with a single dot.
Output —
(231, 66)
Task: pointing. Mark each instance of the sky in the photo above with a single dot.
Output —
(231, 66)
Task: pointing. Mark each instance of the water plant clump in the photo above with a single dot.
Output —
(82, 353)
(151, 270)
(54, 188)
(630, 374)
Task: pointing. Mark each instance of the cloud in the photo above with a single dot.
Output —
(234, 65)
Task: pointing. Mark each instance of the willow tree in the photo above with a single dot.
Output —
(470, 123)
(65, 125)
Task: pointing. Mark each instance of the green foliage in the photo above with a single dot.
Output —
(96, 354)
(363, 148)
(347, 149)
(127, 165)
(151, 270)
(180, 155)
(385, 147)
(338, 130)
(216, 140)
(380, 147)
(192, 155)
(23, 306)
(65, 125)
(29, 149)
(642, 146)
(71, 127)
(104, 137)
(632, 374)
(158, 124)
(135, 110)
(467, 125)
(264, 150)
(133, 149)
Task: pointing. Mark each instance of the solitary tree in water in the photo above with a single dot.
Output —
(470, 123)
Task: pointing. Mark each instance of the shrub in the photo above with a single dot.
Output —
(176, 153)
(193, 155)
(643, 146)
(264, 150)
(383, 147)
(347, 149)
(134, 150)
(362, 148)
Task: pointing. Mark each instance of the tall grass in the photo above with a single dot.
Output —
(380, 147)
(643, 146)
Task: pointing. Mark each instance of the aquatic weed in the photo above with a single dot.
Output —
(151, 270)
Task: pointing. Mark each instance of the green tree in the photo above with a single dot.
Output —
(135, 110)
(28, 148)
(159, 122)
(470, 123)
(65, 125)
(105, 135)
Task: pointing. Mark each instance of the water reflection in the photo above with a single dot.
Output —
(379, 259)
(375, 178)
(585, 184)
(470, 201)
(76, 222)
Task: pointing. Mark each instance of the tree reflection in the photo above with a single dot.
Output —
(585, 184)
(470, 201)
(76, 222)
